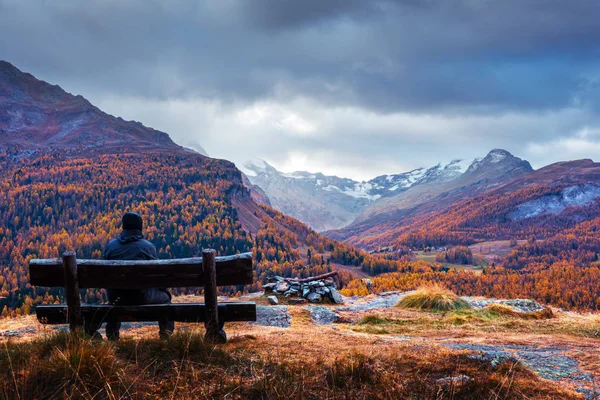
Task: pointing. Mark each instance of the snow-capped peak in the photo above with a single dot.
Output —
(497, 155)
(256, 163)
(255, 166)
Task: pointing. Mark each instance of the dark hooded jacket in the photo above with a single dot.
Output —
(131, 245)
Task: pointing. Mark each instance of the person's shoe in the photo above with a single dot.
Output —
(165, 334)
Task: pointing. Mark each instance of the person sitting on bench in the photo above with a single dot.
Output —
(131, 245)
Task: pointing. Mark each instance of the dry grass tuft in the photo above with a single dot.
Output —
(433, 298)
(506, 311)
(256, 367)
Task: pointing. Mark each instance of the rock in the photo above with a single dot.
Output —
(454, 381)
(495, 355)
(18, 332)
(268, 287)
(518, 305)
(290, 292)
(322, 315)
(305, 291)
(282, 287)
(314, 298)
(277, 316)
(336, 296)
(296, 300)
(273, 300)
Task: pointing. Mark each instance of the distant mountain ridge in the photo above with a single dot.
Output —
(35, 115)
(329, 202)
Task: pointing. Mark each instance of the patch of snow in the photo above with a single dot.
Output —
(573, 196)
(293, 176)
(249, 173)
(256, 163)
(254, 167)
(497, 155)
(475, 164)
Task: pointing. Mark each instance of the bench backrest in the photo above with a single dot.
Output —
(207, 271)
(230, 270)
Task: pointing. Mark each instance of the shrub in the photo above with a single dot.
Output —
(433, 298)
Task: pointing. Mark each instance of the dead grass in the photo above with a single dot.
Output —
(433, 298)
(302, 363)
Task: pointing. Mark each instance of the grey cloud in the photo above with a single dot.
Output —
(386, 55)
(472, 74)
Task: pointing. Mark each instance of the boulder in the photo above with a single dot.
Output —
(454, 381)
(282, 287)
(314, 298)
(336, 296)
(273, 300)
(268, 287)
(322, 315)
(296, 300)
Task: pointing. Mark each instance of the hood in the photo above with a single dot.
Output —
(130, 235)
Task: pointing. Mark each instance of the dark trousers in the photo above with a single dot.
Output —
(135, 297)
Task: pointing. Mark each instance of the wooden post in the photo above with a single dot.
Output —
(210, 295)
(74, 317)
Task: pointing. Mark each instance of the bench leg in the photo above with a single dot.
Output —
(214, 328)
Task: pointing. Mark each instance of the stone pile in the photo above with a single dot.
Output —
(316, 291)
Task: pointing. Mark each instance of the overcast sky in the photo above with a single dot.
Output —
(348, 87)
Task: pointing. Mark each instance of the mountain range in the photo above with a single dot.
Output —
(68, 171)
(328, 202)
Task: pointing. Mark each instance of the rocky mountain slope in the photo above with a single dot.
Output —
(68, 171)
(329, 202)
(35, 115)
(551, 203)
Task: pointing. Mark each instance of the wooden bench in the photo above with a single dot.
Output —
(207, 271)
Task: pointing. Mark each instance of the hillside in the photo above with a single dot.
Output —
(35, 115)
(71, 193)
(387, 215)
(365, 348)
(557, 205)
(53, 199)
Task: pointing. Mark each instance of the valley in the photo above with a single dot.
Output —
(486, 230)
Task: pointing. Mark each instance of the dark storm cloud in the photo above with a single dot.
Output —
(385, 55)
(284, 14)
(494, 72)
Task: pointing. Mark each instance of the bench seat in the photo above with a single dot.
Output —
(179, 312)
